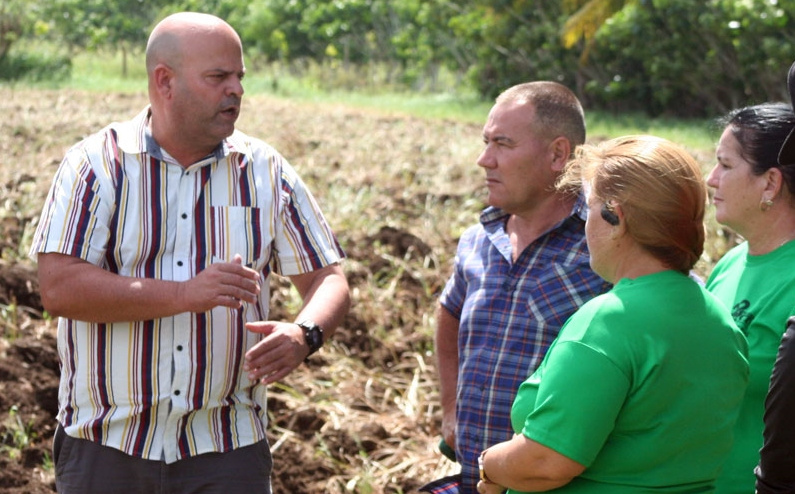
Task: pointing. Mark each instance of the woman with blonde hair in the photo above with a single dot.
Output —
(619, 403)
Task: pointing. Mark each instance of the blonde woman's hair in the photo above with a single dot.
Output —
(659, 187)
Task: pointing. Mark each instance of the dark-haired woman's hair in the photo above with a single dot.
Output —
(760, 130)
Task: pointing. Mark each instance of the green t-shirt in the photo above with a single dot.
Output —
(760, 292)
(642, 386)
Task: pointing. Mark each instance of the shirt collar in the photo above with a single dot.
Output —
(135, 137)
(579, 211)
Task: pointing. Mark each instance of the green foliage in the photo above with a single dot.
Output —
(17, 435)
(691, 58)
(515, 42)
(661, 57)
(34, 66)
(18, 19)
(95, 23)
(409, 36)
(586, 18)
(9, 320)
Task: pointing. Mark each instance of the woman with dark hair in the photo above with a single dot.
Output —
(641, 389)
(753, 195)
(776, 471)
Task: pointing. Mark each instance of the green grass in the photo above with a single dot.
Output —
(102, 71)
(697, 135)
(17, 435)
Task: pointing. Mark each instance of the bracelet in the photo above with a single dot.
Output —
(481, 462)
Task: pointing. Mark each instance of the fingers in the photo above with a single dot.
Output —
(269, 370)
(223, 284)
(264, 327)
(276, 376)
(281, 351)
(234, 281)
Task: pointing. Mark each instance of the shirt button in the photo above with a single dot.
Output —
(179, 348)
(176, 393)
(184, 216)
(179, 263)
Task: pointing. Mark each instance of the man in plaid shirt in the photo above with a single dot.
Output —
(519, 274)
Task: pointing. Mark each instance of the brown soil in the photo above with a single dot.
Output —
(363, 416)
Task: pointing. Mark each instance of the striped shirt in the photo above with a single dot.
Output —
(172, 388)
(509, 313)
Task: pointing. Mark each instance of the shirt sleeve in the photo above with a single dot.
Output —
(581, 392)
(304, 241)
(77, 212)
(455, 290)
(776, 471)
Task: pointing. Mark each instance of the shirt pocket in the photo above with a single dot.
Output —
(238, 230)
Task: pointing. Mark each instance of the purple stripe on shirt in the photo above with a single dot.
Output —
(147, 373)
(294, 217)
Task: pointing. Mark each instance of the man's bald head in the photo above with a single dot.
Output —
(172, 36)
(195, 66)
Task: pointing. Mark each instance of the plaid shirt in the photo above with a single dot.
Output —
(509, 314)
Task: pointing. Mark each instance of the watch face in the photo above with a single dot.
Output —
(313, 335)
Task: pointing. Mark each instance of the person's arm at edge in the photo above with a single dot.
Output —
(774, 474)
(525, 465)
(76, 289)
(447, 365)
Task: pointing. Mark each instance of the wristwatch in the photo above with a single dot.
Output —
(313, 334)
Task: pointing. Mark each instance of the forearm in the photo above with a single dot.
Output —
(524, 465)
(92, 294)
(73, 288)
(447, 359)
(326, 297)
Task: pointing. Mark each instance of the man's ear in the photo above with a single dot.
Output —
(560, 149)
(163, 79)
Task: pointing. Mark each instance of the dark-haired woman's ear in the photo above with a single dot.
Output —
(775, 181)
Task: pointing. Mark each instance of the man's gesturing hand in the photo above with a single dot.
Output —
(281, 350)
(227, 284)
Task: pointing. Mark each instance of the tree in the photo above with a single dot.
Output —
(515, 41)
(17, 18)
(122, 25)
(586, 17)
(694, 59)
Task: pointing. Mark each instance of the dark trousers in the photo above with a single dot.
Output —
(84, 467)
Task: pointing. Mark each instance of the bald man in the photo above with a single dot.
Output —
(154, 250)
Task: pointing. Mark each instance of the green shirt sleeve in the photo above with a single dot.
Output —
(578, 401)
